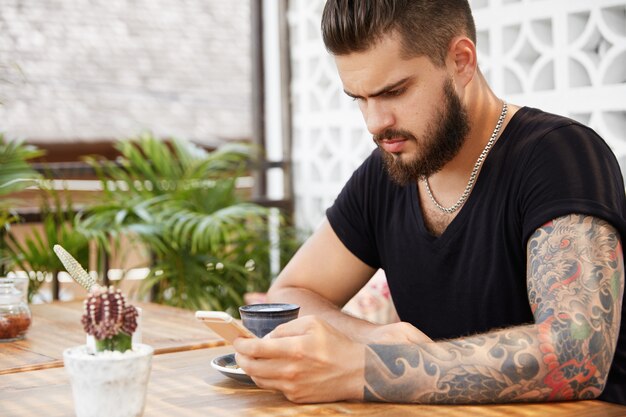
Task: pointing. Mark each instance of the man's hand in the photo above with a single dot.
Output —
(306, 359)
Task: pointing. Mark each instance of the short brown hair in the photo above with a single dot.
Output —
(425, 26)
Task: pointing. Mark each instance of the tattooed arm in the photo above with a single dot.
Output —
(575, 277)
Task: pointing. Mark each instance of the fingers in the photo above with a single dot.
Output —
(288, 333)
(267, 347)
(269, 369)
(305, 359)
(290, 342)
(299, 326)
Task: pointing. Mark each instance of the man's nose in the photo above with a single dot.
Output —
(378, 117)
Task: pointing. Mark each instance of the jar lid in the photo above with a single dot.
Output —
(9, 294)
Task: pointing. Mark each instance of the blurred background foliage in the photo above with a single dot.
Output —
(207, 244)
(16, 175)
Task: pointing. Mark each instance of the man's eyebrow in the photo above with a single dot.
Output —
(382, 91)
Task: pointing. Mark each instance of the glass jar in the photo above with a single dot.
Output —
(15, 315)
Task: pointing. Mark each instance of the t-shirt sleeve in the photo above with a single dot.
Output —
(572, 170)
(350, 216)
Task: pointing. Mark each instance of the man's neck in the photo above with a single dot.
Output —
(484, 110)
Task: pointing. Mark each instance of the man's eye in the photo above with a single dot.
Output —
(394, 93)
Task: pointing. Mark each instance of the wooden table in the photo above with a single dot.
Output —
(57, 326)
(183, 384)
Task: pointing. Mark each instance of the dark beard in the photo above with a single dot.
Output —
(442, 142)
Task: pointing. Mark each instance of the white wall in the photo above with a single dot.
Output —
(564, 56)
(102, 69)
(329, 138)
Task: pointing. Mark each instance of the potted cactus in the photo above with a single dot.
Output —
(110, 376)
(109, 319)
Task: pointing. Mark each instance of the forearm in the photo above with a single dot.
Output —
(529, 363)
(313, 304)
(575, 286)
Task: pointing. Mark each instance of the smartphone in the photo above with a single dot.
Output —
(223, 324)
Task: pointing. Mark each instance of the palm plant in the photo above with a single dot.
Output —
(209, 246)
(33, 252)
(15, 175)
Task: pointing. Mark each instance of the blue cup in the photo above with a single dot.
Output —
(261, 319)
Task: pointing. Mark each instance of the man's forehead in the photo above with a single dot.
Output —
(365, 73)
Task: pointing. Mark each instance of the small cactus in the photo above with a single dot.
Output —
(107, 316)
(109, 319)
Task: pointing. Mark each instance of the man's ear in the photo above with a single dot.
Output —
(462, 60)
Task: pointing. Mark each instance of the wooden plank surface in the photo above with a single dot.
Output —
(183, 384)
(57, 326)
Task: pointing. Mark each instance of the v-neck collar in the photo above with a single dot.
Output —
(467, 208)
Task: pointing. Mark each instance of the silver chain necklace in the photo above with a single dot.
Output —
(474, 174)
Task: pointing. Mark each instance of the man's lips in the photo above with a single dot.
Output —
(394, 145)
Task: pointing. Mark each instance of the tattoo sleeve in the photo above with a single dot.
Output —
(575, 281)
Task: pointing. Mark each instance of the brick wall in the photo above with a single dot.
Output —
(85, 69)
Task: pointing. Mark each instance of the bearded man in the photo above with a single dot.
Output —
(498, 227)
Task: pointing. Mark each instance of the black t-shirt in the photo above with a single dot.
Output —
(472, 278)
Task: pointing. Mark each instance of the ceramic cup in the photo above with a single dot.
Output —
(261, 319)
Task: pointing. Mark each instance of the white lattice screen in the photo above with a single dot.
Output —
(563, 56)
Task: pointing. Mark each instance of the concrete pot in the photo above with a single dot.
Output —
(109, 384)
